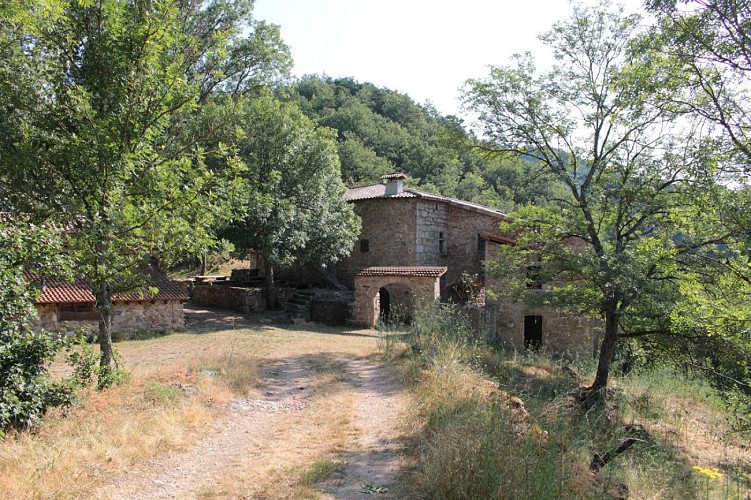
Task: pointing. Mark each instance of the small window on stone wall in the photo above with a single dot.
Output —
(78, 312)
(442, 247)
(364, 245)
(534, 277)
(481, 245)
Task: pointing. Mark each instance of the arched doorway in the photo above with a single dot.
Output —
(396, 303)
(404, 289)
(384, 300)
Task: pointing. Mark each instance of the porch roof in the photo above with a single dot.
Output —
(420, 271)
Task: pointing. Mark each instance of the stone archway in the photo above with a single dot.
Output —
(413, 287)
(396, 302)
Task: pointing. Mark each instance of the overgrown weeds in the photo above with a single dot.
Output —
(496, 424)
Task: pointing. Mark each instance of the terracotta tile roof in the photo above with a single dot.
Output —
(394, 176)
(374, 191)
(499, 238)
(60, 292)
(428, 271)
(79, 292)
(167, 291)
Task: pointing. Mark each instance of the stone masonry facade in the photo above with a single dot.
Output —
(127, 318)
(431, 231)
(406, 227)
(423, 291)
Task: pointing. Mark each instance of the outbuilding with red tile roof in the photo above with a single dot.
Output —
(68, 306)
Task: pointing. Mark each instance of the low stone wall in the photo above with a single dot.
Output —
(127, 318)
(244, 275)
(49, 315)
(147, 317)
(335, 311)
(237, 298)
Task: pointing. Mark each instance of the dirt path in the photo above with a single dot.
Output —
(253, 433)
(379, 414)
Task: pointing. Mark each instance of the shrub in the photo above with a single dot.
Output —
(26, 389)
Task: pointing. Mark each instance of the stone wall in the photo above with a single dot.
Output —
(560, 333)
(299, 275)
(389, 227)
(127, 318)
(423, 290)
(239, 299)
(431, 233)
(161, 316)
(331, 311)
(464, 255)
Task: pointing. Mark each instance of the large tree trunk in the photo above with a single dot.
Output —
(107, 357)
(268, 272)
(607, 348)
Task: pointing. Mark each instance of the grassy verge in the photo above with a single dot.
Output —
(499, 425)
(179, 384)
(73, 453)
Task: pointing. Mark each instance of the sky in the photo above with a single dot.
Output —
(424, 48)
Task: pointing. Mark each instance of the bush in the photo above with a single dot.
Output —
(26, 389)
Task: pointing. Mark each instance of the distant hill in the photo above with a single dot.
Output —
(381, 131)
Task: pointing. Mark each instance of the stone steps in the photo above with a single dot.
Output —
(298, 306)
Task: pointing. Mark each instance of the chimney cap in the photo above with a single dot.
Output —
(394, 177)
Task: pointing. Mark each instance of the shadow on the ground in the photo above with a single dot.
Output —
(203, 319)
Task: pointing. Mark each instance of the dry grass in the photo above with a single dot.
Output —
(689, 452)
(300, 442)
(179, 385)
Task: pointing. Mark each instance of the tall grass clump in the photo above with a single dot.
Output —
(478, 441)
(506, 424)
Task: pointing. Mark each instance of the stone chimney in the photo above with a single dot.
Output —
(394, 183)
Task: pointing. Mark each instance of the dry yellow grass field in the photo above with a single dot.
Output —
(114, 442)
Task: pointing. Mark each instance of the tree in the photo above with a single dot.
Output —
(639, 186)
(295, 208)
(710, 41)
(102, 129)
(26, 388)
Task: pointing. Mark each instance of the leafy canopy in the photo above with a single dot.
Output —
(26, 389)
(295, 208)
(641, 191)
(102, 128)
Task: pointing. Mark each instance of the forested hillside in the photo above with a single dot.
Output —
(381, 131)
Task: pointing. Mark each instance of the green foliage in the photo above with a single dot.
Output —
(26, 389)
(320, 470)
(440, 325)
(645, 212)
(708, 43)
(161, 394)
(477, 442)
(103, 132)
(380, 131)
(295, 208)
(81, 356)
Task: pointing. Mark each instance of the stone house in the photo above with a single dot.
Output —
(416, 247)
(66, 307)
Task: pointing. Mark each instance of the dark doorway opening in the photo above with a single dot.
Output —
(385, 300)
(532, 332)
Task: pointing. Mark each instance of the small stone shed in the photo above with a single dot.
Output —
(384, 291)
(66, 307)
